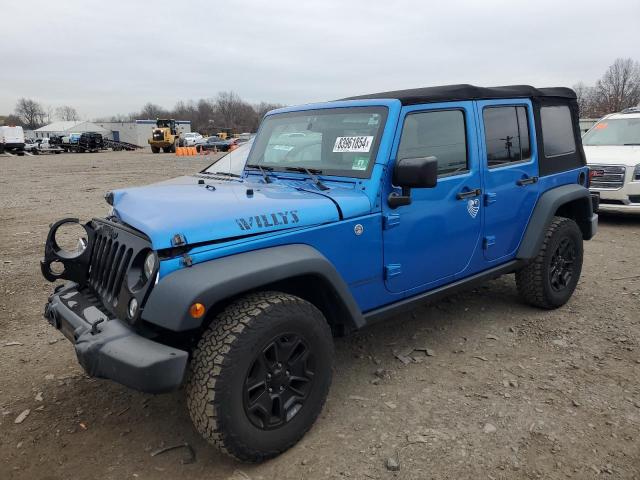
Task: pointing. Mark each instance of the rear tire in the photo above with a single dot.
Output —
(260, 375)
(551, 277)
(155, 149)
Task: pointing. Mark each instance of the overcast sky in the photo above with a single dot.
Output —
(110, 57)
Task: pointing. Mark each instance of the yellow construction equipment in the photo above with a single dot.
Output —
(164, 136)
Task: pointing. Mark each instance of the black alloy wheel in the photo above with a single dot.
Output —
(561, 267)
(279, 381)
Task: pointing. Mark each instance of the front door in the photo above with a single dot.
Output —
(432, 239)
(511, 174)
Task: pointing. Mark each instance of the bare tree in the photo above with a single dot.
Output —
(208, 115)
(67, 113)
(49, 115)
(585, 96)
(30, 112)
(619, 87)
(228, 109)
(152, 111)
(263, 107)
(12, 120)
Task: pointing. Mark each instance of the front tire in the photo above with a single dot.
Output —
(260, 375)
(551, 278)
(155, 149)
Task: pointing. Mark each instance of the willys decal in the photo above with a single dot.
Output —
(266, 220)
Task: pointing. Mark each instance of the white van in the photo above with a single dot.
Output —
(612, 148)
(12, 140)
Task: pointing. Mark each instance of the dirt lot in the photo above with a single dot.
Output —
(508, 391)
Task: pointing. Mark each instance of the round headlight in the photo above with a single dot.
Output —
(70, 239)
(149, 264)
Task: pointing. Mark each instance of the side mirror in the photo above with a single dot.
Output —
(420, 172)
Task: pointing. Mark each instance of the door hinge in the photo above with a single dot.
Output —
(390, 220)
(489, 198)
(187, 261)
(392, 270)
(489, 241)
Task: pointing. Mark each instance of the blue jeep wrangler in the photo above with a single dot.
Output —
(347, 212)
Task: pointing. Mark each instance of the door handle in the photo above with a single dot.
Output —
(527, 181)
(468, 194)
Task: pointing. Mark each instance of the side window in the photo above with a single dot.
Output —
(440, 134)
(506, 132)
(557, 131)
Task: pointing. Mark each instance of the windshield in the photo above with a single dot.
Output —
(337, 141)
(621, 131)
(233, 162)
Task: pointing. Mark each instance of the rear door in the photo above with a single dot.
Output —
(509, 158)
(431, 240)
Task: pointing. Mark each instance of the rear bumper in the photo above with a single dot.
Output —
(110, 348)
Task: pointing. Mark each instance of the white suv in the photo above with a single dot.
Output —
(191, 138)
(612, 147)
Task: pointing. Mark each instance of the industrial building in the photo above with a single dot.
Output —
(68, 127)
(137, 132)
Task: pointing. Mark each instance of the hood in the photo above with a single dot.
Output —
(628, 155)
(228, 209)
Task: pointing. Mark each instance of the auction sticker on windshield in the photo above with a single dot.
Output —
(353, 144)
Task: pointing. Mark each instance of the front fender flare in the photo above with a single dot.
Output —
(216, 280)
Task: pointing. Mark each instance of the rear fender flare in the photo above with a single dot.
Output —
(549, 204)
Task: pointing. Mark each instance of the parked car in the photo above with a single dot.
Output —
(33, 145)
(90, 142)
(12, 139)
(218, 144)
(43, 145)
(612, 147)
(30, 145)
(190, 139)
(234, 287)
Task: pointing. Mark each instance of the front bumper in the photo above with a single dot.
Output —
(110, 348)
(625, 199)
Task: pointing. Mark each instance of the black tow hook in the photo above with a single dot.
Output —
(94, 326)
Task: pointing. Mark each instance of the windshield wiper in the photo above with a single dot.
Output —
(631, 143)
(311, 172)
(263, 171)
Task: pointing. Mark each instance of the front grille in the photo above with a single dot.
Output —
(609, 177)
(109, 263)
(116, 261)
(634, 198)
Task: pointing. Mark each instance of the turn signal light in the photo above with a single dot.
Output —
(196, 310)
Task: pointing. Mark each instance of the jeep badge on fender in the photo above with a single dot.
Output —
(234, 285)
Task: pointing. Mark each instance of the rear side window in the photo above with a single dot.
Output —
(439, 133)
(506, 131)
(557, 131)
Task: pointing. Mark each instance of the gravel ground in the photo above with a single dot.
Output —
(506, 391)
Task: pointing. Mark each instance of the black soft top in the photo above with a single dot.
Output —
(465, 91)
